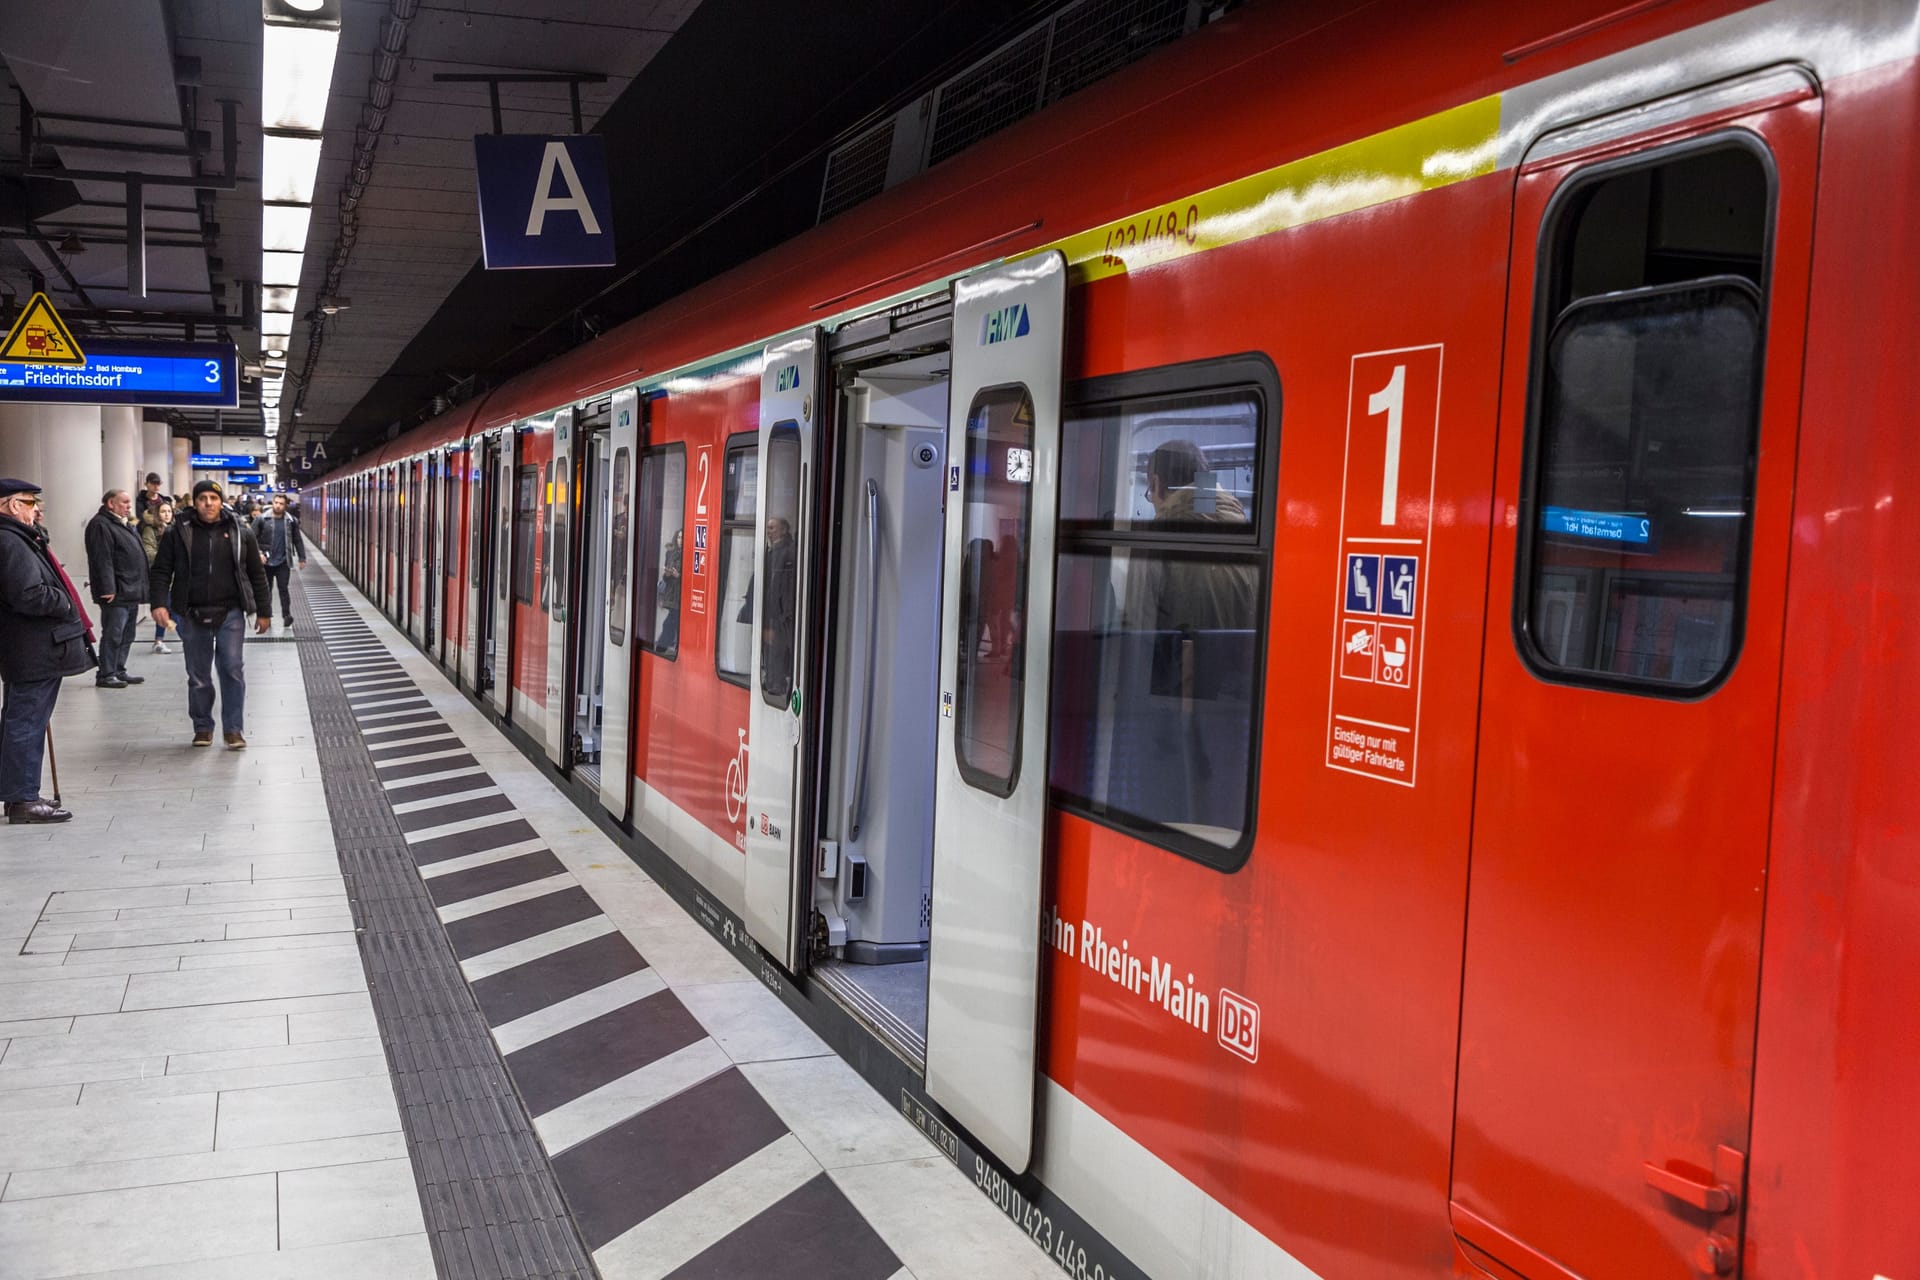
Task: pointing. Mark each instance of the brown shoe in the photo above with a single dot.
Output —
(203, 737)
(35, 811)
(236, 742)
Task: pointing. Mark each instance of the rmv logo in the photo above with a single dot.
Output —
(1004, 324)
(788, 379)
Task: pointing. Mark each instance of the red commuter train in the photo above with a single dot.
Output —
(1312, 639)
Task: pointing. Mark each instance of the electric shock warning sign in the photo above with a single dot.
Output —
(1386, 520)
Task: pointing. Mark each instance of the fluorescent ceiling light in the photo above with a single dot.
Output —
(288, 163)
(280, 297)
(284, 226)
(280, 268)
(296, 72)
(276, 324)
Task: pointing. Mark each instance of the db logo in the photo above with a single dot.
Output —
(1239, 1025)
(767, 828)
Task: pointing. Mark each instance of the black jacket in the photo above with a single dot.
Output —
(41, 634)
(171, 577)
(116, 562)
(263, 531)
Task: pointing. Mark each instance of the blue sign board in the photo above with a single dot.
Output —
(246, 477)
(1363, 584)
(177, 374)
(1399, 584)
(544, 200)
(222, 461)
(1597, 526)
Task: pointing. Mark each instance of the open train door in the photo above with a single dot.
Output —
(1643, 521)
(559, 589)
(616, 763)
(474, 524)
(499, 652)
(776, 872)
(1003, 476)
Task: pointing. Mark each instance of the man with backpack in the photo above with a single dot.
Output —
(209, 568)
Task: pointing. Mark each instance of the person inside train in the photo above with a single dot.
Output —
(776, 628)
(1186, 596)
(668, 591)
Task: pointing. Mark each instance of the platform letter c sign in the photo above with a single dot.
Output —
(556, 160)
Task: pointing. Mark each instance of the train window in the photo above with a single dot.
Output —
(733, 638)
(1173, 464)
(526, 514)
(1159, 610)
(990, 693)
(663, 518)
(543, 532)
(1646, 424)
(780, 565)
(620, 565)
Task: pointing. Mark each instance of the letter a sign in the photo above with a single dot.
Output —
(544, 200)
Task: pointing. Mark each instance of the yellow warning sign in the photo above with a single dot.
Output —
(40, 336)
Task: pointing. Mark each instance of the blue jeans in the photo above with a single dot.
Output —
(117, 624)
(203, 645)
(23, 736)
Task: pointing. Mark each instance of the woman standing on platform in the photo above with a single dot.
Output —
(154, 522)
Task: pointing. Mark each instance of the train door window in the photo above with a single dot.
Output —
(780, 564)
(733, 639)
(450, 503)
(1160, 604)
(990, 695)
(560, 519)
(621, 549)
(543, 533)
(663, 517)
(526, 515)
(1645, 424)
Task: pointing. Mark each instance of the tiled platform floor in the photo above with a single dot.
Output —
(191, 1079)
(191, 1082)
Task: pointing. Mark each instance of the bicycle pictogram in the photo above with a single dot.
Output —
(737, 781)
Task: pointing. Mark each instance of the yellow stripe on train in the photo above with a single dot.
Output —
(1422, 155)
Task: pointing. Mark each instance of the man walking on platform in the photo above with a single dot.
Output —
(43, 638)
(279, 535)
(209, 568)
(117, 574)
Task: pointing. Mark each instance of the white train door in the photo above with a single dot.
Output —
(616, 768)
(775, 876)
(559, 595)
(506, 457)
(474, 462)
(1003, 448)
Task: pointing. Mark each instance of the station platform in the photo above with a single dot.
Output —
(373, 996)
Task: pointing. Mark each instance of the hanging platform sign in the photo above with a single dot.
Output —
(544, 200)
(173, 374)
(41, 337)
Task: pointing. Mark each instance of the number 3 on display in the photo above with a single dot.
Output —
(213, 373)
(1390, 400)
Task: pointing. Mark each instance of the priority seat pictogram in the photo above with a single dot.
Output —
(40, 336)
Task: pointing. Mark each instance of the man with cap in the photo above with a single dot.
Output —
(279, 533)
(117, 575)
(209, 568)
(148, 497)
(43, 639)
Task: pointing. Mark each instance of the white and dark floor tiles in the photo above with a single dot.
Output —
(660, 1087)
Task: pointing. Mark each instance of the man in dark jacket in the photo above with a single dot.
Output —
(117, 575)
(209, 567)
(148, 498)
(279, 534)
(43, 638)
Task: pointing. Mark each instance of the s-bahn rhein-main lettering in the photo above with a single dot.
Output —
(1150, 978)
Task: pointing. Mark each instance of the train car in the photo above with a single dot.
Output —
(1303, 654)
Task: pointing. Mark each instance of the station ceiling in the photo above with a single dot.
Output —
(718, 115)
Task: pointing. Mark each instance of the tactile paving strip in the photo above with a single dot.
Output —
(493, 1205)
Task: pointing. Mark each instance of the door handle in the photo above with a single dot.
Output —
(1702, 1192)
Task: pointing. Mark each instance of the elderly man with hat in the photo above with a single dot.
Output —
(44, 635)
(209, 567)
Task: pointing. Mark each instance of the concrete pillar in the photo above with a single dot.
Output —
(70, 470)
(182, 468)
(57, 446)
(155, 457)
(120, 453)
